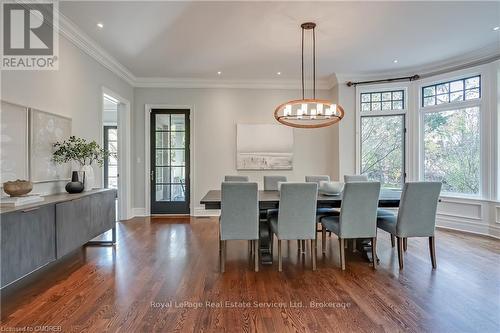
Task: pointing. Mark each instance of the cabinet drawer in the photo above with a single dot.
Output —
(102, 207)
(28, 241)
(73, 227)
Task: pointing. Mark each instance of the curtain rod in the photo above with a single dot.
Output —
(396, 79)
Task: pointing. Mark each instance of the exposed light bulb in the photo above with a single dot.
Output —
(313, 113)
(319, 107)
(288, 110)
(300, 112)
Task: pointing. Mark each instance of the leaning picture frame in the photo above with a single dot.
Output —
(45, 130)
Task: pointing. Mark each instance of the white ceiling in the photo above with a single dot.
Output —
(253, 41)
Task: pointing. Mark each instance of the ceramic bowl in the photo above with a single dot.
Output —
(18, 188)
(330, 188)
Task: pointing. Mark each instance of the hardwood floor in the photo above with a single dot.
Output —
(160, 267)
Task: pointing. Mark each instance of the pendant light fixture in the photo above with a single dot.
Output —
(309, 112)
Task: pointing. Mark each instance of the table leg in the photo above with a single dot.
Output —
(265, 253)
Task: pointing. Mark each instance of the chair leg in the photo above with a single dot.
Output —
(250, 247)
(393, 240)
(298, 244)
(374, 252)
(400, 252)
(405, 244)
(314, 250)
(222, 256)
(432, 248)
(280, 259)
(256, 254)
(323, 240)
(303, 246)
(342, 253)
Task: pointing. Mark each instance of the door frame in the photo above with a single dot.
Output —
(147, 152)
(124, 152)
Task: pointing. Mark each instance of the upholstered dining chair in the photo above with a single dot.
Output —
(296, 217)
(236, 178)
(322, 211)
(357, 219)
(416, 217)
(271, 182)
(239, 218)
(364, 178)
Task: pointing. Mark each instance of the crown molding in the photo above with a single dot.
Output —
(481, 56)
(83, 41)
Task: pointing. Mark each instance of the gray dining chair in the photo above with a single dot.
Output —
(364, 178)
(317, 178)
(416, 217)
(357, 219)
(296, 217)
(236, 178)
(239, 218)
(271, 182)
(322, 211)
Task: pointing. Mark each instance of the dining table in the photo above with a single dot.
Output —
(270, 200)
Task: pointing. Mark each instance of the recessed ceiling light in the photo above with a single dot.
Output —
(219, 73)
(496, 28)
(278, 73)
(395, 61)
(100, 25)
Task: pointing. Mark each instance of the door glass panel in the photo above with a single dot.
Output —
(162, 192)
(178, 175)
(162, 139)
(163, 175)
(178, 193)
(177, 139)
(177, 157)
(162, 122)
(162, 157)
(178, 122)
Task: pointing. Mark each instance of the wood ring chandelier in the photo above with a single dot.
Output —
(309, 112)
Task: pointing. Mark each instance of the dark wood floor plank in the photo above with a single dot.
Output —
(158, 261)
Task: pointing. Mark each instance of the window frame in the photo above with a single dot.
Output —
(464, 90)
(405, 112)
(452, 106)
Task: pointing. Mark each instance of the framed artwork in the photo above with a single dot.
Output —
(13, 142)
(264, 147)
(47, 129)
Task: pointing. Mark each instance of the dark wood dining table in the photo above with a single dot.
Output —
(271, 199)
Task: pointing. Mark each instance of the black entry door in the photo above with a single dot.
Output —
(170, 185)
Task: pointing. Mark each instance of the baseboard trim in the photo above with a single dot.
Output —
(479, 234)
(138, 212)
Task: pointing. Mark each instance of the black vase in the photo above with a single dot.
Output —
(74, 186)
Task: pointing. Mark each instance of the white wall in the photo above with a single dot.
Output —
(216, 113)
(75, 90)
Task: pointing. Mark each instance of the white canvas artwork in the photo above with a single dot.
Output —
(13, 142)
(264, 147)
(47, 129)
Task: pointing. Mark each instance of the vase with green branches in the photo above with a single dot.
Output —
(85, 153)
